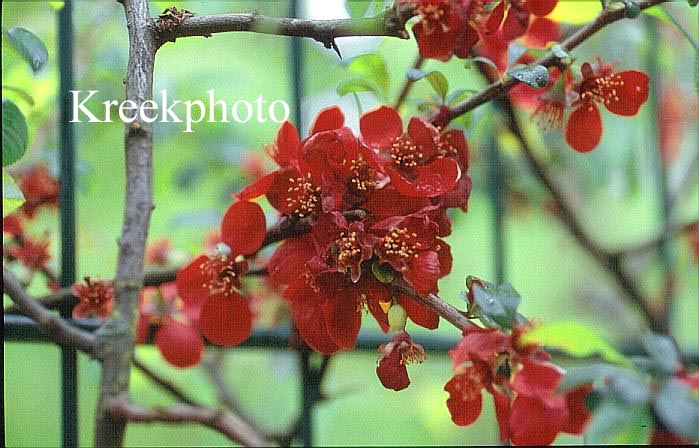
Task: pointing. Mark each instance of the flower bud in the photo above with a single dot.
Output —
(397, 317)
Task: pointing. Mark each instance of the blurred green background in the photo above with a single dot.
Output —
(615, 190)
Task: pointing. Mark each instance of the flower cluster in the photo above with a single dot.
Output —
(95, 298)
(447, 28)
(376, 205)
(522, 382)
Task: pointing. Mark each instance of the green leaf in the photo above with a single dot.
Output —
(574, 338)
(559, 52)
(459, 95)
(629, 388)
(595, 373)
(30, 47)
(12, 197)
(437, 80)
(535, 75)
(21, 93)
(383, 273)
(371, 66)
(15, 135)
(484, 60)
(614, 422)
(355, 86)
(498, 304)
(365, 8)
(662, 351)
(678, 409)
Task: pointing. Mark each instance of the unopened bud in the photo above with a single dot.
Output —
(397, 317)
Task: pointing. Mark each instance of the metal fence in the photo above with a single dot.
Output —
(22, 329)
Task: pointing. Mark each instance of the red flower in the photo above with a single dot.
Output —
(621, 93)
(39, 189)
(443, 29)
(523, 384)
(12, 225)
(395, 356)
(291, 189)
(95, 297)
(158, 251)
(210, 282)
(34, 254)
(174, 324)
(422, 162)
(518, 14)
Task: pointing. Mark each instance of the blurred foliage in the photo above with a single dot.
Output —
(614, 189)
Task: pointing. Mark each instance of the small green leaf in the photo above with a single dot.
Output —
(383, 273)
(629, 388)
(484, 60)
(574, 338)
(514, 52)
(662, 351)
(579, 375)
(497, 304)
(30, 47)
(12, 197)
(559, 52)
(632, 9)
(21, 93)
(15, 135)
(437, 80)
(355, 86)
(678, 409)
(535, 75)
(459, 95)
(372, 67)
(397, 317)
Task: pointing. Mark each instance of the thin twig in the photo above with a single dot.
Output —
(227, 424)
(408, 83)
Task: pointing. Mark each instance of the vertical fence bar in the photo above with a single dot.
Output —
(69, 374)
(305, 428)
(496, 191)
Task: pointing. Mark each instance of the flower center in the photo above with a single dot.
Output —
(349, 250)
(398, 242)
(222, 274)
(363, 176)
(304, 197)
(433, 15)
(550, 114)
(603, 89)
(445, 148)
(405, 153)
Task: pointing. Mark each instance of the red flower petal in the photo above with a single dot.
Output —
(631, 95)
(286, 147)
(584, 128)
(307, 312)
(495, 18)
(665, 437)
(343, 318)
(515, 25)
(419, 313)
(142, 328)
(379, 127)
(328, 119)
(387, 202)
(243, 228)
(257, 188)
(179, 344)
(536, 422)
(226, 320)
(482, 343)
(542, 31)
(423, 135)
(465, 400)
(502, 413)
(431, 180)
(578, 413)
(392, 371)
(289, 260)
(536, 378)
(541, 7)
(190, 283)
(436, 43)
(468, 37)
(424, 272)
(445, 258)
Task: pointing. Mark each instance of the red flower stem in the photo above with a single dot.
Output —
(408, 84)
(439, 306)
(500, 88)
